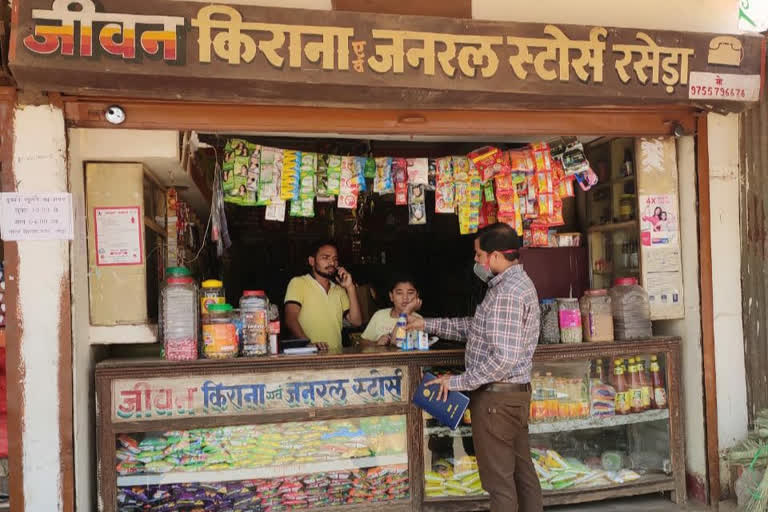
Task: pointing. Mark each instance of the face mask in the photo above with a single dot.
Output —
(482, 272)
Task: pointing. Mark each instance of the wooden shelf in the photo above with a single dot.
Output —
(616, 226)
(568, 425)
(259, 473)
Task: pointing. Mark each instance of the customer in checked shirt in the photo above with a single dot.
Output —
(501, 339)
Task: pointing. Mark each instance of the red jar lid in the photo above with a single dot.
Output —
(254, 293)
(180, 280)
(599, 292)
(625, 281)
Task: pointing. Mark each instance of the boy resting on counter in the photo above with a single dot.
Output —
(405, 299)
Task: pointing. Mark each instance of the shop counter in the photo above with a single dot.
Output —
(338, 431)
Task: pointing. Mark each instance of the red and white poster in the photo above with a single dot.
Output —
(118, 236)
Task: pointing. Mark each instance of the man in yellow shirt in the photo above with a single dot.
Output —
(316, 304)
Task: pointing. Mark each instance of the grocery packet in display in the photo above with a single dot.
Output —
(382, 183)
(400, 177)
(289, 188)
(444, 187)
(521, 160)
(240, 177)
(489, 161)
(460, 168)
(349, 187)
(321, 179)
(542, 158)
(418, 171)
(303, 208)
(271, 169)
(275, 211)
(370, 168)
(417, 209)
(307, 183)
(334, 175)
(432, 175)
(360, 162)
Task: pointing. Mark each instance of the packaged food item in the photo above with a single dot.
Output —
(290, 179)
(179, 318)
(303, 208)
(596, 315)
(211, 292)
(350, 187)
(219, 333)
(400, 178)
(321, 178)
(541, 157)
(489, 161)
(334, 175)
(383, 183)
(570, 320)
(360, 164)
(270, 175)
(520, 160)
(418, 171)
(254, 307)
(574, 159)
(307, 175)
(622, 401)
(539, 235)
(550, 323)
(417, 209)
(602, 399)
(445, 198)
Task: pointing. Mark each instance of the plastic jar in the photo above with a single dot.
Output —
(211, 292)
(596, 315)
(179, 325)
(550, 324)
(631, 310)
(169, 272)
(627, 207)
(570, 320)
(219, 333)
(254, 315)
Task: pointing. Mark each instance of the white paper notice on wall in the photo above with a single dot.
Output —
(118, 234)
(723, 86)
(27, 216)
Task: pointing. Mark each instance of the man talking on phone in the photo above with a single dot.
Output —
(318, 303)
(501, 339)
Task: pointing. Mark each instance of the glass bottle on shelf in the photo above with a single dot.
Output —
(659, 390)
(636, 388)
(627, 167)
(622, 389)
(645, 383)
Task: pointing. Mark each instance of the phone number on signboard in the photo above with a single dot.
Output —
(702, 90)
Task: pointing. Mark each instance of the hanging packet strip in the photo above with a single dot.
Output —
(241, 182)
(382, 183)
(289, 188)
(400, 177)
(307, 175)
(348, 187)
(418, 171)
(269, 181)
(370, 168)
(321, 178)
(303, 208)
(275, 211)
(542, 157)
(521, 160)
(489, 161)
(417, 210)
(460, 168)
(444, 191)
(432, 174)
(360, 162)
(334, 175)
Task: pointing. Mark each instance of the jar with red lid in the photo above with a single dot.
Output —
(254, 315)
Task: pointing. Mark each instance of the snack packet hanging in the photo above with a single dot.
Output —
(348, 187)
(432, 174)
(418, 171)
(360, 172)
(370, 168)
(321, 179)
(334, 175)
(542, 157)
(574, 159)
(382, 183)
(307, 176)
(269, 181)
(445, 198)
(521, 160)
(460, 168)
(417, 209)
(400, 177)
(303, 208)
(539, 235)
(489, 161)
(289, 188)
(444, 170)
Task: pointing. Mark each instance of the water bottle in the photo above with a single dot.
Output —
(401, 336)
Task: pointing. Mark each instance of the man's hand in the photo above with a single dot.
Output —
(442, 381)
(321, 347)
(345, 279)
(415, 323)
(384, 340)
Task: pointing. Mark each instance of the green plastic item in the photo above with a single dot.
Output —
(177, 272)
(219, 308)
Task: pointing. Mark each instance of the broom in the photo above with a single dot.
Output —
(759, 499)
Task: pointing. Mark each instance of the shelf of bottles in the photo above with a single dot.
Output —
(592, 424)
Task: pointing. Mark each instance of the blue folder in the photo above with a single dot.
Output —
(448, 412)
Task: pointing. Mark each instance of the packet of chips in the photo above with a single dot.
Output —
(521, 160)
(400, 177)
(348, 187)
(334, 175)
(321, 179)
(460, 168)
(307, 175)
(417, 209)
(542, 157)
(289, 187)
(382, 182)
(489, 161)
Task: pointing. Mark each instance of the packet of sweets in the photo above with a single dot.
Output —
(539, 235)
(348, 188)
(460, 168)
(418, 171)
(546, 205)
(382, 183)
(444, 170)
(544, 182)
(444, 198)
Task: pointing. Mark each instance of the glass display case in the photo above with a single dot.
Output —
(598, 425)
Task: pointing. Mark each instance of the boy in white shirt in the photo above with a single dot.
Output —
(405, 299)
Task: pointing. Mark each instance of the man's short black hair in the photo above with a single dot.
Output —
(401, 277)
(500, 237)
(315, 248)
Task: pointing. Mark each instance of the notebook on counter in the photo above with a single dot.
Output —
(448, 412)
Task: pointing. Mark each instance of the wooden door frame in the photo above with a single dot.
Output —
(611, 121)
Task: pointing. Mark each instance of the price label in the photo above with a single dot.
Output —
(723, 87)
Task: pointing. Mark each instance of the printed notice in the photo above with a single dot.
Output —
(659, 225)
(723, 86)
(118, 236)
(36, 216)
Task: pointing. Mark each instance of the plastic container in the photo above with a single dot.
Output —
(211, 292)
(596, 315)
(179, 324)
(219, 333)
(254, 315)
(550, 323)
(570, 320)
(627, 207)
(631, 310)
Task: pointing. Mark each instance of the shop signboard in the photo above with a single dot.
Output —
(186, 50)
(164, 398)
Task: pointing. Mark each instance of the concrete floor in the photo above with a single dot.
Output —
(640, 504)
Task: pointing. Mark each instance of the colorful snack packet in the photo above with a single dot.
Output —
(521, 160)
(418, 171)
(489, 161)
(360, 163)
(542, 157)
(432, 174)
(307, 186)
(303, 208)
(370, 168)
(334, 175)
(400, 177)
(417, 210)
(348, 190)
(445, 198)
(460, 168)
(382, 183)
(289, 181)
(321, 177)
